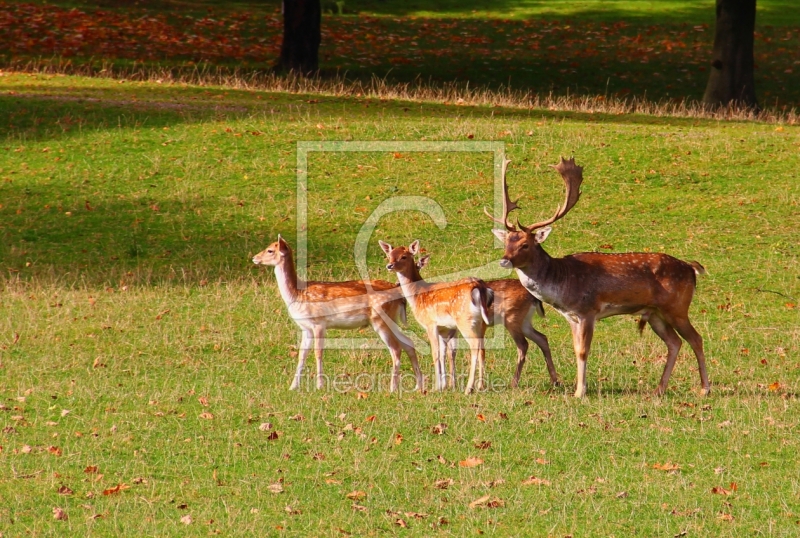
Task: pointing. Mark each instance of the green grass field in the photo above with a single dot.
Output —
(137, 337)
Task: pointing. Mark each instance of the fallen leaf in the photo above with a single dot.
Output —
(444, 483)
(774, 387)
(719, 490)
(400, 522)
(54, 450)
(203, 401)
(534, 481)
(187, 519)
(472, 461)
(542, 461)
(416, 515)
(483, 445)
(370, 418)
(90, 469)
(439, 429)
(59, 514)
(275, 488)
(622, 494)
(726, 517)
(116, 489)
(356, 495)
(298, 417)
(480, 501)
(398, 438)
(480, 417)
(666, 466)
(358, 508)
(272, 436)
(266, 426)
(65, 490)
(206, 415)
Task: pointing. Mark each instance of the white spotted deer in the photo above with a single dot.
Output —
(442, 307)
(514, 308)
(319, 306)
(590, 286)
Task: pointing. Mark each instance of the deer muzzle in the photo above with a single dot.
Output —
(506, 264)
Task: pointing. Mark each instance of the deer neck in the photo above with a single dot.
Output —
(286, 276)
(542, 275)
(411, 283)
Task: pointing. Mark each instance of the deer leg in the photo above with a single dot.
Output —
(451, 357)
(411, 351)
(433, 339)
(582, 332)
(481, 366)
(685, 329)
(541, 340)
(673, 341)
(522, 350)
(305, 347)
(394, 349)
(319, 344)
(474, 338)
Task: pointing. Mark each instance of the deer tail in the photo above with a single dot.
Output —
(642, 322)
(483, 297)
(698, 269)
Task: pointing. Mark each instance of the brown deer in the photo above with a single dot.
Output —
(590, 286)
(319, 306)
(442, 307)
(514, 307)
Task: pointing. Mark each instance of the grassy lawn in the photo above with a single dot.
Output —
(657, 50)
(140, 346)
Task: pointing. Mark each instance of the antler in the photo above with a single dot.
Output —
(508, 205)
(572, 174)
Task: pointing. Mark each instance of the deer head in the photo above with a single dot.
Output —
(274, 254)
(401, 259)
(522, 242)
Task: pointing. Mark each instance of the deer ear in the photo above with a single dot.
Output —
(423, 261)
(413, 248)
(385, 247)
(500, 234)
(542, 233)
(282, 245)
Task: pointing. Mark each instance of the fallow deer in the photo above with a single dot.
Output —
(319, 306)
(514, 307)
(442, 307)
(590, 286)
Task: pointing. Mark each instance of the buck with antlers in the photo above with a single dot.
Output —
(442, 307)
(319, 306)
(514, 307)
(590, 286)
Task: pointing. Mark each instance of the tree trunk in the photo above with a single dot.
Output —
(731, 80)
(301, 36)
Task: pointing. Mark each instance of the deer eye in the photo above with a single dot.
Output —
(403, 257)
(524, 246)
(270, 251)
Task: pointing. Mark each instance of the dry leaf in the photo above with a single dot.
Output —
(54, 450)
(719, 490)
(362, 396)
(275, 488)
(479, 502)
(203, 401)
(774, 387)
(266, 426)
(726, 517)
(398, 438)
(439, 429)
(444, 483)
(370, 418)
(472, 461)
(542, 461)
(481, 417)
(298, 417)
(272, 436)
(533, 481)
(356, 495)
(90, 469)
(187, 519)
(59, 514)
(116, 489)
(400, 523)
(622, 494)
(26, 449)
(666, 466)
(65, 490)
(206, 415)
(359, 508)
(416, 515)
(483, 445)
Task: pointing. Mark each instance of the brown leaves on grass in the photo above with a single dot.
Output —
(90, 469)
(206, 415)
(444, 483)
(483, 445)
(488, 502)
(719, 490)
(59, 514)
(116, 489)
(54, 450)
(65, 490)
(472, 461)
(534, 481)
(666, 466)
(439, 429)
(356, 495)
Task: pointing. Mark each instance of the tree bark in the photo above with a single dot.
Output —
(731, 82)
(301, 36)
